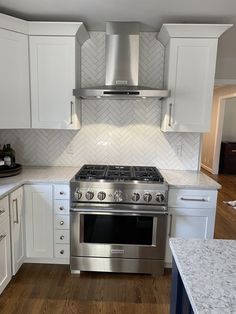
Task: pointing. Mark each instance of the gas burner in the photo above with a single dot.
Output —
(119, 173)
(119, 184)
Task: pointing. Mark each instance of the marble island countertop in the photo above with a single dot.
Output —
(60, 175)
(208, 272)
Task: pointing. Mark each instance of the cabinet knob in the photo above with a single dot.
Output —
(62, 223)
(61, 193)
(2, 211)
(62, 237)
(61, 208)
(62, 252)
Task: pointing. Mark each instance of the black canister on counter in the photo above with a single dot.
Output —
(8, 155)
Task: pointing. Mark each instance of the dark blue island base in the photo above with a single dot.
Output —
(179, 303)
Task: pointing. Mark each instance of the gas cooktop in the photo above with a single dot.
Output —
(119, 173)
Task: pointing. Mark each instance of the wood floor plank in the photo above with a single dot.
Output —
(225, 226)
(51, 289)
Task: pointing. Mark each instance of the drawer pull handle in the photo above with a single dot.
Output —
(2, 236)
(233, 150)
(62, 223)
(62, 252)
(61, 208)
(170, 114)
(61, 193)
(16, 221)
(2, 211)
(193, 199)
(62, 237)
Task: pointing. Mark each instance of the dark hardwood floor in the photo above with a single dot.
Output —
(225, 225)
(49, 289)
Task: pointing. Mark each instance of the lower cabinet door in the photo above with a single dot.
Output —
(39, 221)
(189, 223)
(17, 229)
(5, 254)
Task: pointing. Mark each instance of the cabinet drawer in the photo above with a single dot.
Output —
(192, 198)
(62, 222)
(62, 236)
(229, 149)
(61, 192)
(4, 209)
(62, 250)
(61, 207)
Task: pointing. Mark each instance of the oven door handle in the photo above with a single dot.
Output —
(119, 212)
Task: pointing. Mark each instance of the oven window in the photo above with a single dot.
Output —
(114, 229)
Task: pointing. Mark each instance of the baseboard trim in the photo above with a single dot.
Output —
(36, 260)
(207, 168)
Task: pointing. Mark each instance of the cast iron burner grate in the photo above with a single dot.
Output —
(119, 173)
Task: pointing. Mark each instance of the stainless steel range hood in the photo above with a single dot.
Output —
(122, 66)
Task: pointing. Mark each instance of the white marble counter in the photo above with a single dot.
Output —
(187, 179)
(208, 271)
(32, 175)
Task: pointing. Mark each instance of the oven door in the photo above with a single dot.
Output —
(118, 233)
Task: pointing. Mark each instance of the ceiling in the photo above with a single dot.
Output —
(151, 13)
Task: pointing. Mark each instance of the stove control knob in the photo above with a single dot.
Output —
(147, 197)
(101, 196)
(118, 196)
(89, 195)
(78, 194)
(160, 197)
(135, 197)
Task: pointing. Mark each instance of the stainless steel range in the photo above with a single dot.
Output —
(118, 219)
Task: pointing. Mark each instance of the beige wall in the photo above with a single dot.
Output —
(226, 56)
(209, 140)
(229, 126)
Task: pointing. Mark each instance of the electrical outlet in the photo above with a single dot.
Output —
(178, 149)
(70, 149)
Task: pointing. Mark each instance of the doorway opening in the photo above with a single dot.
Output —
(223, 127)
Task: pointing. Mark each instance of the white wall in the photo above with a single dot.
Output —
(229, 124)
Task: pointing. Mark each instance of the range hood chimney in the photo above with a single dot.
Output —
(122, 66)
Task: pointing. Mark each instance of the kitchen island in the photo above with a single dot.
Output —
(203, 276)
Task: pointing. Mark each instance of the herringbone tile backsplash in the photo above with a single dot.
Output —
(113, 132)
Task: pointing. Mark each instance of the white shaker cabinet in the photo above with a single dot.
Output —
(191, 215)
(39, 221)
(17, 229)
(5, 244)
(52, 67)
(55, 58)
(14, 80)
(190, 60)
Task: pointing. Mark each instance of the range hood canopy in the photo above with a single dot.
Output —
(122, 66)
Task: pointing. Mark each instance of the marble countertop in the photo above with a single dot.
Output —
(34, 175)
(187, 179)
(208, 271)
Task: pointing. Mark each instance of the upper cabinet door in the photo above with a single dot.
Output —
(14, 80)
(52, 67)
(190, 71)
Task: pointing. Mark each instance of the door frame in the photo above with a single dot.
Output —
(219, 131)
